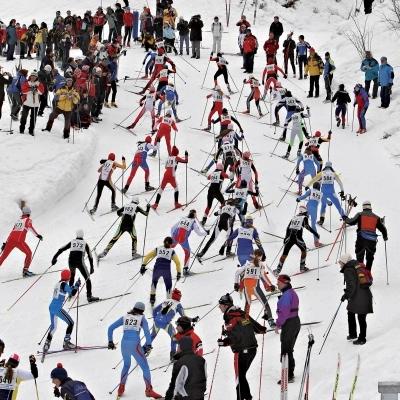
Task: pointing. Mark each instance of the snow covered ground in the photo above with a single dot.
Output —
(56, 178)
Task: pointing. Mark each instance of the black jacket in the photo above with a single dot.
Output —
(183, 28)
(359, 299)
(342, 97)
(289, 46)
(368, 221)
(127, 220)
(195, 26)
(189, 376)
(276, 28)
(240, 331)
(70, 386)
(4, 81)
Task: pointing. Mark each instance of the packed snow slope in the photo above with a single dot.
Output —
(56, 178)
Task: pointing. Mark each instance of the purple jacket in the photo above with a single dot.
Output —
(288, 306)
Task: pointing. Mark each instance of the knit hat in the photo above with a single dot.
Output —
(284, 278)
(341, 86)
(68, 79)
(47, 68)
(139, 306)
(312, 50)
(186, 343)
(33, 73)
(59, 373)
(383, 58)
(345, 258)
(366, 205)
(13, 360)
(226, 299)
(184, 322)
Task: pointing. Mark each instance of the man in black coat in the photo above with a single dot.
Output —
(189, 374)
(240, 336)
(195, 26)
(359, 299)
(5, 80)
(276, 28)
(289, 46)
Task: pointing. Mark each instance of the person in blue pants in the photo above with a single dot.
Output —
(168, 94)
(61, 289)
(314, 196)
(133, 322)
(149, 66)
(328, 177)
(309, 160)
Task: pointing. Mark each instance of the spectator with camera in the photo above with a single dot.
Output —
(195, 26)
(170, 14)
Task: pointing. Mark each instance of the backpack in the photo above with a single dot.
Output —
(79, 390)
(365, 278)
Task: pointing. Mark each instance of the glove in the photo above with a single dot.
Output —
(262, 82)
(285, 76)
(264, 257)
(306, 188)
(196, 319)
(123, 158)
(177, 103)
(147, 349)
(4, 245)
(343, 298)
(263, 329)
(54, 261)
(56, 392)
(148, 208)
(78, 283)
(241, 131)
(354, 104)
(256, 182)
(143, 63)
(91, 269)
(158, 140)
(111, 345)
(186, 153)
(221, 251)
(272, 288)
(178, 276)
(142, 269)
(207, 231)
(255, 51)
(307, 108)
(342, 196)
(216, 213)
(305, 76)
(329, 132)
(40, 237)
(222, 342)
(236, 287)
(298, 200)
(34, 369)
(297, 171)
(244, 80)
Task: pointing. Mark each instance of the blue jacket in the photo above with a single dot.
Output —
(59, 82)
(301, 49)
(169, 33)
(11, 35)
(371, 68)
(329, 67)
(151, 54)
(130, 332)
(113, 67)
(170, 95)
(385, 74)
(16, 83)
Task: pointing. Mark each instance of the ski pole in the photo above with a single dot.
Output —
(206, 186)
(215, 368)
(205, 74)
(279, 252)
(232, 108)
(201, 123)
(244, 7)
(240, 96)
(352, 121)
(232, 80)
(186, 182)
(262, 205)
(123, 172)
(111, 392)
(291, 183)
(273, 151)
(271, 234)
(305, 91)
(139, 73)
(306, 370)
(214, 307)
(27, 290)
(189, 64)
(35, 250)
(387, 271)
(261, 367)
(326, 334)
(145, 233)
(117, 125)
(77, 320)
(180, 78)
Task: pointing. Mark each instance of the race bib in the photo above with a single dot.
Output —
(130, 210)
(163, 252)
(296, 223)
(132, 322)
(316, 195)
(245, 233)
(78, 245)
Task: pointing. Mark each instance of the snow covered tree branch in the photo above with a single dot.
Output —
(360, 37)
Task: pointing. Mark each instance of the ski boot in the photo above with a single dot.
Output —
(154, 206)
(92, 299)
(208, 127)
(282, 138)
(276, 123)
(125, 189)
(26, 273)
(317, 243)
(67, 343)
(230, 91)
(177, 205)
(200, 254)
(221, 251)
(294, 75)
(129, 44)
(121, 389)
(114, 207)
(147, 187)
(185, 271)
(204, 170)
(326, 101)
(362, 131)
(144, 76)
(130, 126)
(300, 192)
(149, 392)
(114, 105)
(153, 154)
(271, 323)
(278, 270)
(203, 221)
(246, 112)
(298, 153)
(337, 121)
(286, 156)
(106, 104)
(321, 221)
(93, 210)
(46, 346)
(103, 254)
(290, 380)
(152, 299)
(343, 125)
(171, 355)
(303, 267)
(134, 253)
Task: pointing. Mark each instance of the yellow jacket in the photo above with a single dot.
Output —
(314, 66)
(67, 97)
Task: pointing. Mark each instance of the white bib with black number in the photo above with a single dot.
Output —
(141, 148)
(308, 157)
(159, 60)
(245, 233)
(186, 223)
(217, 97)
(164, 73)
(57, 291)
(270, 69)
(105, 171)
(20, 225)
(130, 210)
(78, 245)
(245, 166)
(252, 271)
(225, 118)
(228, 148)
(163, 252)
(167, 121)
(328, 177)
(290, 101)
(295, 118)
(170, 162)
(231, 211)
(315, 195)
(215, 177)
(313, 142)
(132, 322)
(222, 61)
(296, 223)
(240, 193)
(7, 384)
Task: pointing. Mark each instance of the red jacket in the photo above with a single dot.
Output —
(165, 125)
(271, 46)
(21, 227)
(99, 19)
(128, 18)
(250, 44)
(20, 32)
(197, 343)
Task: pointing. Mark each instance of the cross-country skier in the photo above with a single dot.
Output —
(362, 100)
(133, 322)
(298, 129)
(294, 236)
(61, 289)
(171, 164)
(147, 103)
(222, 70)
(218, 98)
(290, 103)
(254, 94)
(140, 160)
(106, 169)
(271, 70)
(162, 77)
(216, 179)
(342, 98)
(77, 248)
(164, 130)
(149, 65)
(127, 224)
(162, 267)
(314, 196)
(245, 234)
(315, 142)
(240, 195)
(16, 239)
(168, 94)
(225, 120)
(309, 160)
(163, 315)
(248, 276)
(226, 215)
(328, 177)
(180, 233)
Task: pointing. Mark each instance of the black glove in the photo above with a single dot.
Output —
(3, 246)
(306, 188)
(111, 345)
(256, 182)
(158, 140)
(78, 283)
(207, 231)
(343, 298)
(3, 363)
(222, 342)
(385, 238)
(298, 200)
(178, 276)
(34, 369)
(236, 287)
(54, 261)
(262, 82)
(148, 207)
(143, 269)
(216, 213)
(91, 269)
(297, 171)
(264, 257)
(221, 251)
(342, 196)
(186, 153)
(147, 349)
(255, 51)
(211, 54)
(285, 76)
(196, 319)
(273, 288)
(40, 237)
(123, 158)
(330, 132)
(56, 392)
(244, 80)
(143, 63)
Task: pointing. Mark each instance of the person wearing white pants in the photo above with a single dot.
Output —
(216, 29)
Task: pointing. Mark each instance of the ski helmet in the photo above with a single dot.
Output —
(139, 306)
(111, 156)
(366, 205)
(243, 183)
(13, 360)
(174, 151)
(168, 112)
(135, 199)
(225, 140)
(79, 233)
(249, 219)
(176, 294)
(226, 299)
(328, 164)
(278, 85)
(316, 185)
(219, 166)
(246, 155)
(217, 87)
(26, 210)
(152, 89)
(184, 322)
(303, 210)
(317, 134)
(148, 139)
(65, 274)
(224, 111)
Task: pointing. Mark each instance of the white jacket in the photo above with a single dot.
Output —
(31, 92)
(217, 29)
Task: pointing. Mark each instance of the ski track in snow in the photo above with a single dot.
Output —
(56, 179)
